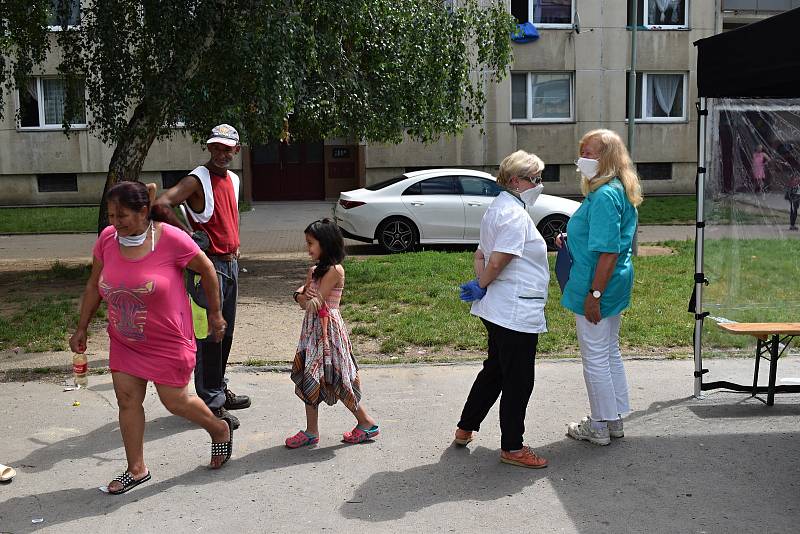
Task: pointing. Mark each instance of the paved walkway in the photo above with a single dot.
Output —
(724, 464)
(277, 227)
(271, 227)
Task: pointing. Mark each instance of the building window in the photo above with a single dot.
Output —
(541, 96)
(64, 14)
(171, 178)
(543, 13)
(660, 14)
(664, 99)
(551, 173)
(57, 183)
(654, 171)
(41, 104)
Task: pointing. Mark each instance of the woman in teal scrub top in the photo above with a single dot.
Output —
(601, 234)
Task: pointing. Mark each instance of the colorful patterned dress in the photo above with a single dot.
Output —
(324, 369)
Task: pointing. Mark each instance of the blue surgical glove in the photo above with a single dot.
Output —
(471, 291)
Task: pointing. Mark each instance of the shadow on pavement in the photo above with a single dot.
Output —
(98, 441)
(637, 484)
(68, 504)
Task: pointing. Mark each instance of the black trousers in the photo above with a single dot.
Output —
(212, 358)
(793, 205)
(509, 370)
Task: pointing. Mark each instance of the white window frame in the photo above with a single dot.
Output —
(40, 101)
(553, 26)
(69, 27)
(643, 103)
(644, 6)
(529, 99)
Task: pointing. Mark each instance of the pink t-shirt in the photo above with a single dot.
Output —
(149, 318)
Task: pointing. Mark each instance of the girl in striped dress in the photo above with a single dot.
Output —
(324, 369)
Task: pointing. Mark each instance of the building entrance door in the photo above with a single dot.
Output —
(293, 171)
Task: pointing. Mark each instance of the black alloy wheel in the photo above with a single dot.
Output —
(550, 227)
(397, 234)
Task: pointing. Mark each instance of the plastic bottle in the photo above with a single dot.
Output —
(80, 370)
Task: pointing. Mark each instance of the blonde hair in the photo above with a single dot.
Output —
(520, 164)
(615, 162)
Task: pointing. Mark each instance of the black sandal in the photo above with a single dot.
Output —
(128, 482)
(226, 448)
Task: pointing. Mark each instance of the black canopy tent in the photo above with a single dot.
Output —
(757, 61)
(760, 60)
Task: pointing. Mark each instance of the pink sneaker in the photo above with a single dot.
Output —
(360, 435)
(301, 439)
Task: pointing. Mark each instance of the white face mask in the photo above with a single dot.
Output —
(588, 167)
(529, 196)
(136, 240)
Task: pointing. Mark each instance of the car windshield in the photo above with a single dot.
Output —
(386, 183)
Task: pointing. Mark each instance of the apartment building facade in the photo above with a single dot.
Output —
(572, 79)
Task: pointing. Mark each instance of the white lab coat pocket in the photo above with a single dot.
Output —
(530, 307)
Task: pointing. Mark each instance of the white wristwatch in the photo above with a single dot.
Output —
(595, 293)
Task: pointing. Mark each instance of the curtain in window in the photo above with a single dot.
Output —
(550, 96)
(552, 11)
(54, 94)
(73, 13)
(658, 11)
(665, 90)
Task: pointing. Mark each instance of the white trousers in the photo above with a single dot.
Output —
(603, 370)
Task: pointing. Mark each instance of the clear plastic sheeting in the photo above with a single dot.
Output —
(751, 254)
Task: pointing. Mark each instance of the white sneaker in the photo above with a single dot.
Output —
(615, 429)
(584, 431)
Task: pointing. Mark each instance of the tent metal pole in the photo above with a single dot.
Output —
(699, 276)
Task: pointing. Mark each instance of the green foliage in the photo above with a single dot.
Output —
(23, 42)
(372, 70)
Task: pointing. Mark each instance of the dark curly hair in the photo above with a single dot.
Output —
(331, 244)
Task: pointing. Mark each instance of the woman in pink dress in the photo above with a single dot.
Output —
(759, 164)
(137, 269)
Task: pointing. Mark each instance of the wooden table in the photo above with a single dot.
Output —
(769, 337)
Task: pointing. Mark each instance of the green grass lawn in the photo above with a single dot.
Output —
(57, 219)
(43, 308)
(668, 210)
(412, 299)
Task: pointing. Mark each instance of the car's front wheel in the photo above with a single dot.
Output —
(397, 234)
(550, 227)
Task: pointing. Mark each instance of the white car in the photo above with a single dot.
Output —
(435, 206)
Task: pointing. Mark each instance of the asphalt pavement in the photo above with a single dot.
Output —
(724, 464)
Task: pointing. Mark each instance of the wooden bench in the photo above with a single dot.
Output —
(769, 338)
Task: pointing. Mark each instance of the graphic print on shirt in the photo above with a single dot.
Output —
(126, 310)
